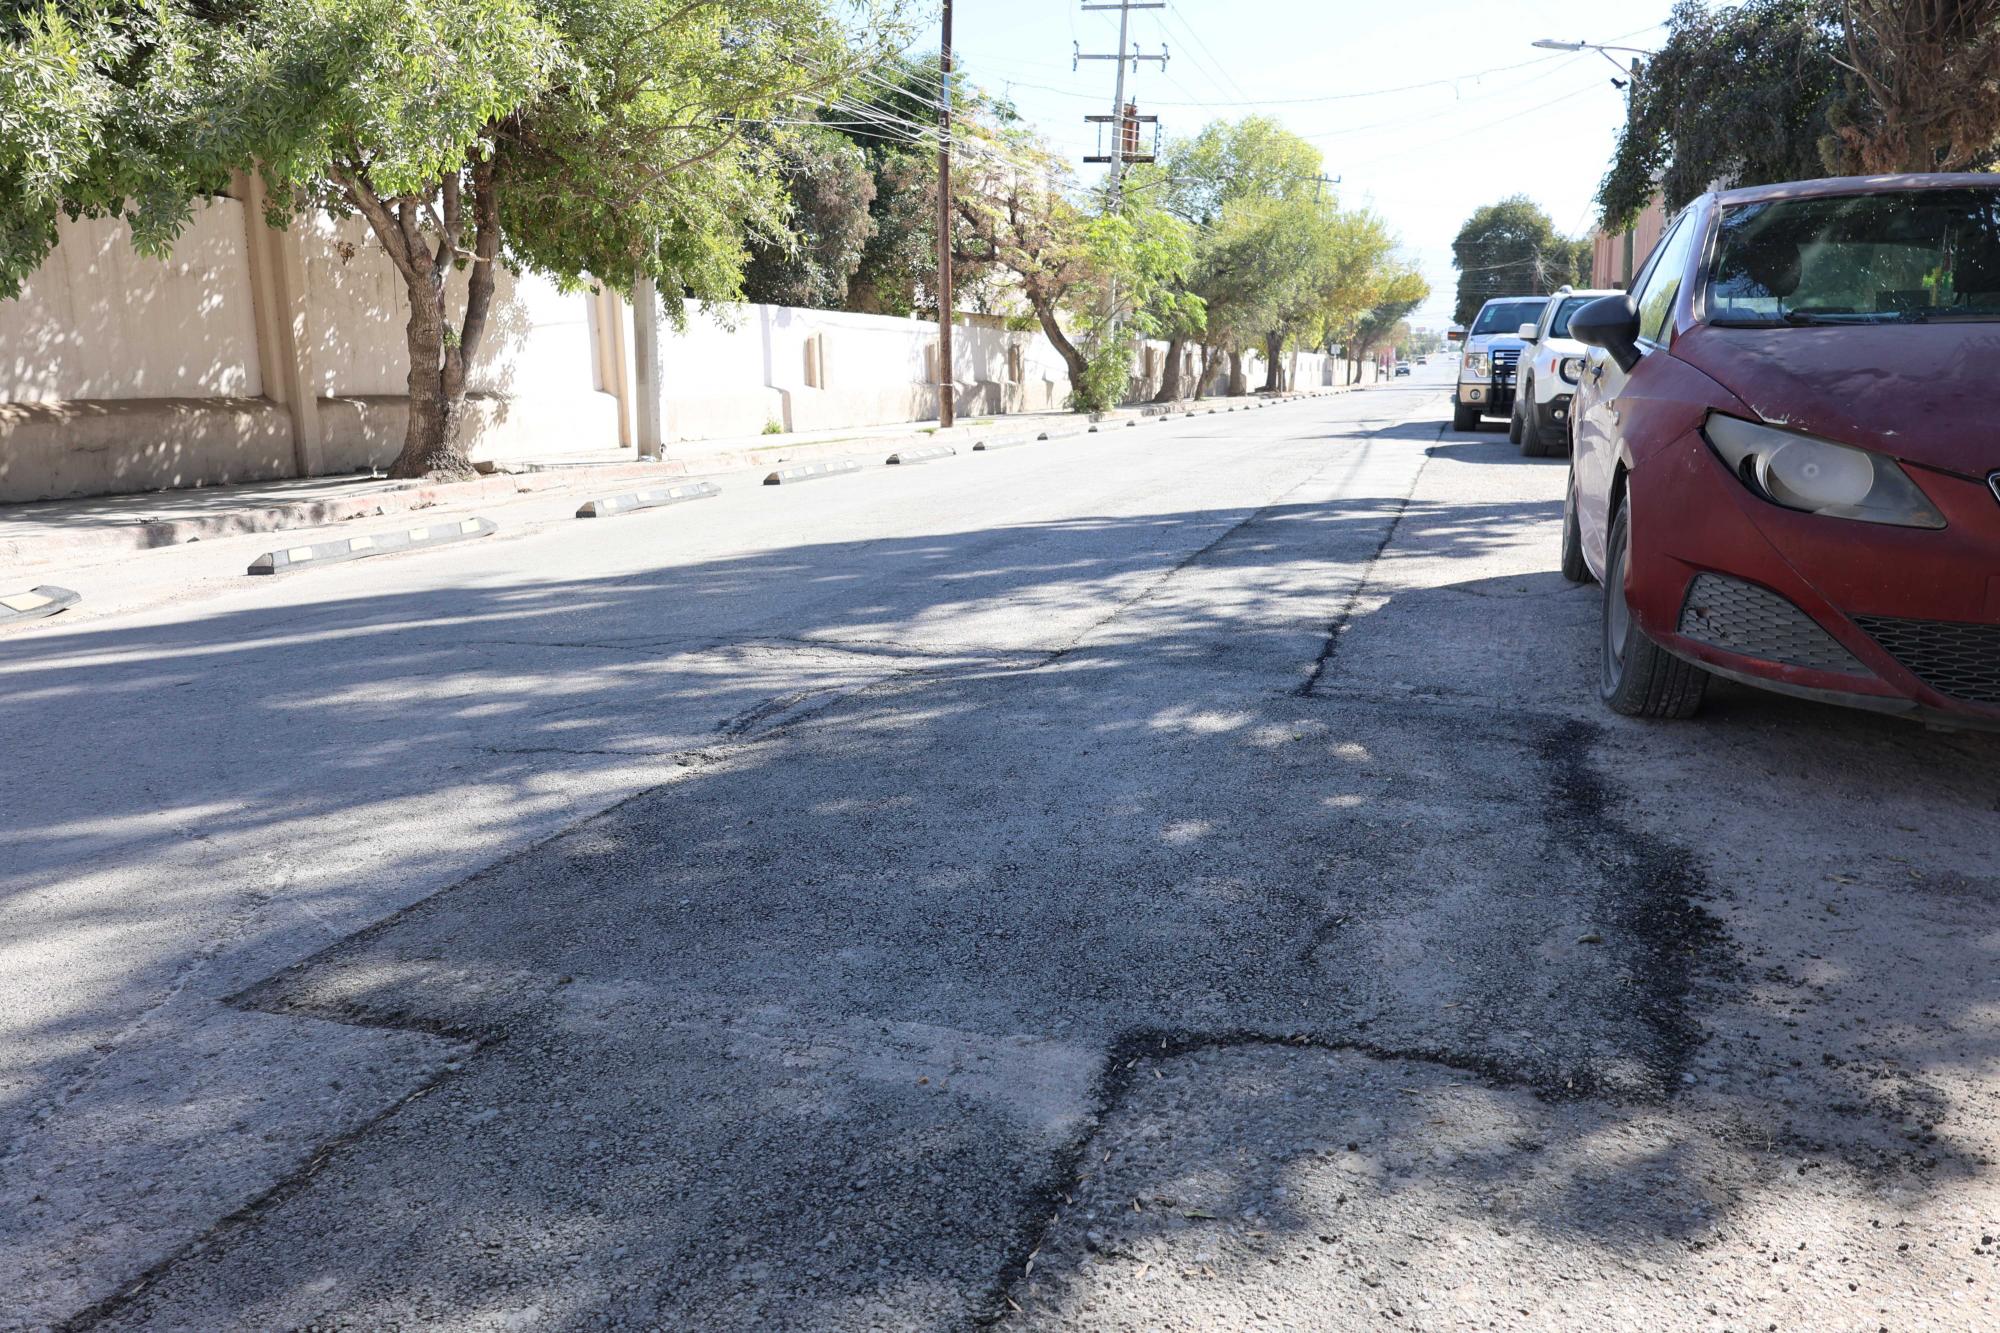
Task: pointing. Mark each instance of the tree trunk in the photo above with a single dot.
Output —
(1073, 360)
(1201, 376)
(433, 440)
(428, 439)
(1274, 376)
(1170, 378)
(1239, 382)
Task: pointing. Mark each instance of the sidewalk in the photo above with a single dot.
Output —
(45, 532)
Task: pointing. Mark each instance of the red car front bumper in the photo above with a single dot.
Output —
(1894, 619)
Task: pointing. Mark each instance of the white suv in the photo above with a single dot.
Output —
(1548, 375)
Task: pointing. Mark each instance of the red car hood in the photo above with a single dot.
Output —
(1927, 393)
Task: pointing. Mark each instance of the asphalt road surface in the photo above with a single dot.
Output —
(1180, 878)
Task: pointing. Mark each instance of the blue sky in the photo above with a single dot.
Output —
(1497, 116)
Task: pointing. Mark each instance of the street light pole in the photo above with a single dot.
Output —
(1632, 72)
(1630, 89)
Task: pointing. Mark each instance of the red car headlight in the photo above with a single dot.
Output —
(1817, 476)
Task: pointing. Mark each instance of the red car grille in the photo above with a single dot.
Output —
(1953, 658)
(1756, 622)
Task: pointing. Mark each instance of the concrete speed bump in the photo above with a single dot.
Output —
(813, 471)
(373, 543)
(1005, 442)
(923, 455)
(35, 603)
(652, 498)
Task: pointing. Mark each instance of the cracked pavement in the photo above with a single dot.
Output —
(1176, 880)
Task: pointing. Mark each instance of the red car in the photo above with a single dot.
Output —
(1785, 464)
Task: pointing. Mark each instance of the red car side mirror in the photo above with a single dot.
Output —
(1610, 322)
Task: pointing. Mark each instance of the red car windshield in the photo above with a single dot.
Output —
(1902, 256)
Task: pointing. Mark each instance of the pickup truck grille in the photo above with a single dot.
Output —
(1505, 361)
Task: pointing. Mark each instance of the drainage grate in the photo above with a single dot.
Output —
(1952, 657)
(1756, 622)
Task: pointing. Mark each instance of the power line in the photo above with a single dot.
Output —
(1444, 113)
(1173, 15)
(1486, 129)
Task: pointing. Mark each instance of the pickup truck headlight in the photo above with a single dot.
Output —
(1475, 365)
(1571, 369)
(1819, 477)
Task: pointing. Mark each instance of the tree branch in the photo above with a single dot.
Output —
(354, 182)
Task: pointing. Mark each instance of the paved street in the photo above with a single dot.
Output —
(1178, 878)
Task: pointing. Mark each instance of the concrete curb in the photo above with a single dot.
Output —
(371, 544)
(606, 506)
(1007, 442)
(397, 498)
(924, 454)
(35, 603)
(835, 467)
(270, 518)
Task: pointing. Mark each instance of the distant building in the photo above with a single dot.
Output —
(1613, 261)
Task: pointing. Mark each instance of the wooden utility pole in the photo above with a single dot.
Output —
(947, 386)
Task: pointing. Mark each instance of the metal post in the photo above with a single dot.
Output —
(646, 355)
(947, 386)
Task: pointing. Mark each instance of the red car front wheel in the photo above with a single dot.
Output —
(1639, 678)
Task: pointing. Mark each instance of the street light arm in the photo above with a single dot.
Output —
(1617, 64)
(1551, 44)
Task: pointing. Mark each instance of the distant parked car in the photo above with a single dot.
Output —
(1786, 469)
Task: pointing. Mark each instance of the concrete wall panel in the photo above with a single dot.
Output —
(54, 450)
(537, 338)
(101, 321)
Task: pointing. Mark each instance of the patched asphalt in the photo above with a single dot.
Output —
(1295, 945)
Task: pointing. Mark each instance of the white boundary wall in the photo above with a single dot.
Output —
(251, 354)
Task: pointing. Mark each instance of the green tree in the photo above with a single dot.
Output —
(1509, 249)
(1743, 95)
(830, 190)
(1246, 258)
(881, 115)
(1199, 180)
(1012, 214)
(888, 114)
(1924, 87)
(1775, 90)
(592, 140)
(1402, 291)
(1094, 280)
(1139, 260)
(1354, 269)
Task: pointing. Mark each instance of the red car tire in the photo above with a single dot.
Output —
(1638, 677)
